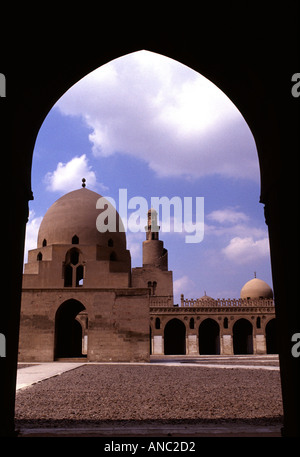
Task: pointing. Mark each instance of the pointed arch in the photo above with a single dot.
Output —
(68, 341)
(242, 337)
(174, 338)
(209, 337)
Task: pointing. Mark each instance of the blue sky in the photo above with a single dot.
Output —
(155, 127)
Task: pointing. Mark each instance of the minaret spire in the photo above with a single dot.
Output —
(152, 228)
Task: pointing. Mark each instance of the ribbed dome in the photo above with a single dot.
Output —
(206, 298)
(75, 214)
(256, 288)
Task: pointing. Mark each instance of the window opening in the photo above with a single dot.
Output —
(68, 276)
(79, 276)
(75, 239)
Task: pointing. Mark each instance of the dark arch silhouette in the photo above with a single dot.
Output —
(271, 337)
(68, 331)
(209, 337)
(174, 338)
(265, 102)
(242, 337)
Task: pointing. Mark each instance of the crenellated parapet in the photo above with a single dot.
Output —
(205, 302)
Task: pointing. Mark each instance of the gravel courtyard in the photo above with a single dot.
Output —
(169, 394)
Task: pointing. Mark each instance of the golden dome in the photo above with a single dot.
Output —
(73, 216)
(256, 288)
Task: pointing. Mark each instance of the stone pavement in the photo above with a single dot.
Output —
(41, 371)
(35, 373)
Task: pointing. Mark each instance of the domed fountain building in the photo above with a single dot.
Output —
(77, 298)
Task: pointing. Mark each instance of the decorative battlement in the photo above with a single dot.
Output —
(208, 302)
(222, 302)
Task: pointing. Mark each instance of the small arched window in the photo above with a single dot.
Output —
(79, 276)
(74, 256)
(157, 323)
(68, 275)
(192, 323)
(258, 322)
(44, 243)
(75, 239)
(154, 285)
(39, 256)
(110, 243)
(225, 323)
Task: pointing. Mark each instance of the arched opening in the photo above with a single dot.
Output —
(209, 337)
(75, 239)
(73, 256)
(68, 276)
(73, 273)
(174, 338)
(271, 337)
(242, 337)
(79, 276)
(267, 137)
(68, 341)
(157, 323)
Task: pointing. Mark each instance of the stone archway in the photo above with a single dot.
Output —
(271, 337)
(242, 337)
(174, 338)
(209, 337)
(68, 341)
(265, 102)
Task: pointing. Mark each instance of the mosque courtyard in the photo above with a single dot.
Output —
(170, 396)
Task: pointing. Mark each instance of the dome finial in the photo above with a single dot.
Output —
(83, 182)
(255, 274)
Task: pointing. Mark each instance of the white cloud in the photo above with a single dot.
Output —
(245, 243)
(232, 223)
(134, 244)
(160, 111)
(228, 215)
(246, 250)
(67, 176)
(183, 285)
(32, 229)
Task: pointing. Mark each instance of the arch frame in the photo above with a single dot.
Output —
(265, 102)
(177, 347)
(70, 320)
(211, 347)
